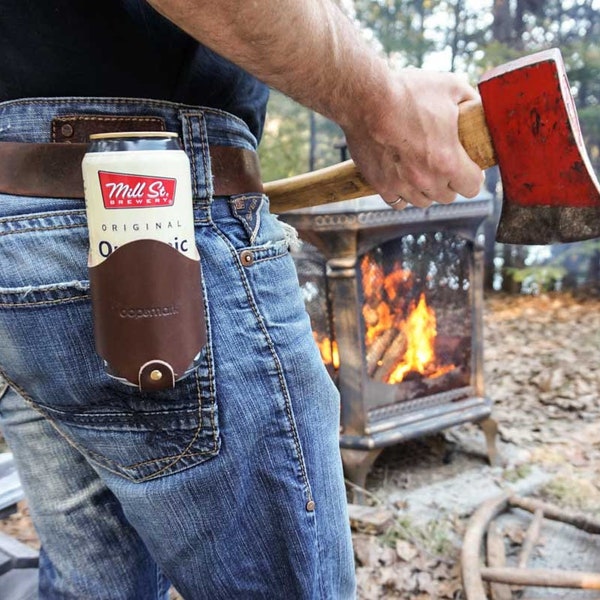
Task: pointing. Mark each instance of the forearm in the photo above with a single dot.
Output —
(306, 49)
(401, 128)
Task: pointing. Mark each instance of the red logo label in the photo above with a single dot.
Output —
(136, 191)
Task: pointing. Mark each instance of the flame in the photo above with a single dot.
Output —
(398, 281)
(420, 329)
(377, 287)
(378, 319)
(329, 351)
(385, 309)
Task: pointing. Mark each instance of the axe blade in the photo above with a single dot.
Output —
(551, 193)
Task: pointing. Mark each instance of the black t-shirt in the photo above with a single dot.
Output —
(116, 48)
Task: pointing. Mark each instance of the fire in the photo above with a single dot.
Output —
(377, 287)
(379, 319)
(329, 351)
(399, 339)
(420, 329)
(400, 335)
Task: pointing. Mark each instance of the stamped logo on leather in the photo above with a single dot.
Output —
(121, 190)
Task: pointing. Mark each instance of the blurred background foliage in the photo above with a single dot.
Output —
(466, 36)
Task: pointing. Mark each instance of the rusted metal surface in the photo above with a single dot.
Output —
(547, 224)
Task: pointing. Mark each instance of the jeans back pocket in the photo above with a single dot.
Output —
(47, 353)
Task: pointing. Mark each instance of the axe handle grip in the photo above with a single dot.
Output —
(344, 182)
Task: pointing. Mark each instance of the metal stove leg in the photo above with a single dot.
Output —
(489, 427)
(357, 464)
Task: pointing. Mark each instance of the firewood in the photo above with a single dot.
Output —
(469, 559)
(432, 385)
(542, 577)
(370, 315)
(531, 537)
(496, 557)
(579, 520)
(393, 355)
(377, 349)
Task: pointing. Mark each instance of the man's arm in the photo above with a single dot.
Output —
(401, 128)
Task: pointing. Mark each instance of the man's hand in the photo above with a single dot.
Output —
(402, 129)
(408, 147)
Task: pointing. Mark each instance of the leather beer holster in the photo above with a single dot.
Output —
(143, 282)
(148, 311)
(147, 297)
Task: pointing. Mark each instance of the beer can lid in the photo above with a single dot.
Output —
(133, 134)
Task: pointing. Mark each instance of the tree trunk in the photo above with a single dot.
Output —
(502, 28)
(514, 257)
(594, 272)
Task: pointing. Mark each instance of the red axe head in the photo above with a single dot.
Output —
(551, 193)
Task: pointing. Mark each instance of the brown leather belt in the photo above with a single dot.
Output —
(54, 170)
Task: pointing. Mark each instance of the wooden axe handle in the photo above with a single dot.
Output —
(344, 182)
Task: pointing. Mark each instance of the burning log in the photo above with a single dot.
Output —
(370, 315)
(442, 379)
(378, 348)
(395, 351)
(415, 385)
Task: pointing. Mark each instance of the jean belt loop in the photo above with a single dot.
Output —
(195, 144)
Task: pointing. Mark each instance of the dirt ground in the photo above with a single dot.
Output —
(542, 372)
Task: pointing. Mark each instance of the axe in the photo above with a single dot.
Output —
(527, 124)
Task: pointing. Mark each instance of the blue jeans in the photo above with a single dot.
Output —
(229, 486)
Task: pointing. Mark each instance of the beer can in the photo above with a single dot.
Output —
(144, 266)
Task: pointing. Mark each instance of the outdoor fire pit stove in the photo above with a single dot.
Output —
(395, 300)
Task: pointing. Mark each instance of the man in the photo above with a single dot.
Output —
(230, 485)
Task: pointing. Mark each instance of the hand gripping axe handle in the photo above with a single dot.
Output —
(527, 124)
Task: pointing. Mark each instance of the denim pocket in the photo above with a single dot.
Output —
(140, 435)
(249, 227)
(47, 353)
